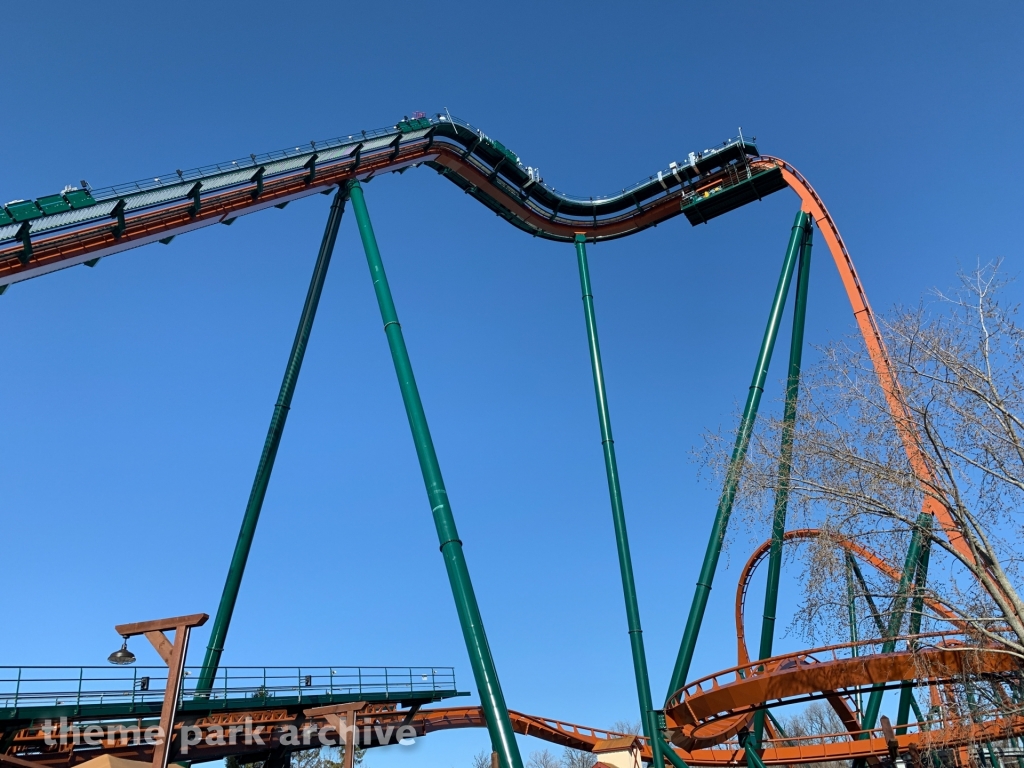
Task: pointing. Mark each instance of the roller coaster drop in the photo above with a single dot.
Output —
(715, 721)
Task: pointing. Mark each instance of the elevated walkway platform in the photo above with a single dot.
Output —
(35, 694)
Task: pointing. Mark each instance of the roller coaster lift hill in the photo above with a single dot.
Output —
(723, 719)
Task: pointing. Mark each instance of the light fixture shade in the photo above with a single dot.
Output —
(122, 655)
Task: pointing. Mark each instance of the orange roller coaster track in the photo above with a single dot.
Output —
(805, 534)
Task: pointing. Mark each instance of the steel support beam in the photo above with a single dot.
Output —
(667, 751)
(851, 601)
(896, 616)
(222, 621)
(746, 426)
(492, 700)
(916, 611)
(796, 345)
(648, 717)
(876, 615)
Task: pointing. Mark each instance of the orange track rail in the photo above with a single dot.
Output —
(778, 751)
(28, 744)
(803, 534)
(872, 336)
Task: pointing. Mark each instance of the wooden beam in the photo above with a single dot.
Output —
(343, 718)
(334, 709)
(173, 654)
(159, 625)
(163, 646)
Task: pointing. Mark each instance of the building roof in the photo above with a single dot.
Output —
(615, 745)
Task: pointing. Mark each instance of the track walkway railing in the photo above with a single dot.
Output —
(80, 687)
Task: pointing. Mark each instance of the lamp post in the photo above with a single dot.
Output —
(173, 653)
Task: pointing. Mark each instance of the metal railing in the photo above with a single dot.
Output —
(83, 686)
(252, 161)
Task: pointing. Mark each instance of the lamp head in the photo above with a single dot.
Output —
(122, 655)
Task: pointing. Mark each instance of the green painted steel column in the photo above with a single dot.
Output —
(266, 465)
(876, 615)
(896, 617)
(714, 549)
(796, 346)
(636, 638)
(972, 706)
(491, 698)
(916, 611)
(851, 600)
(670, 753)
(750, 755)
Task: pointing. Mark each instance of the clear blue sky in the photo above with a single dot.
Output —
(138, 393)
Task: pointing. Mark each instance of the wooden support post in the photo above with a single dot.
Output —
(173, 653)
(343, 718)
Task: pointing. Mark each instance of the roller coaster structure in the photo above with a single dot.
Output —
(720, 720)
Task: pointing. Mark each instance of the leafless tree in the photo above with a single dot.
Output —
(320, 757)
(325, 757)
(959, 361)
(575, 758)
(815, 719)
(629, 727)
(543, 759)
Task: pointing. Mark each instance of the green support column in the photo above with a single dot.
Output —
(896, 618)
(916, 611)
(876, 615)
(851, 600)
(796, 346)
(972, 706)
(491, 698)
(259, 485)
(667, 751)
(718, 529)
(636, 638)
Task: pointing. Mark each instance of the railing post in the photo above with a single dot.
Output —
(492, 699)
(233, 583)
(739, 453)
